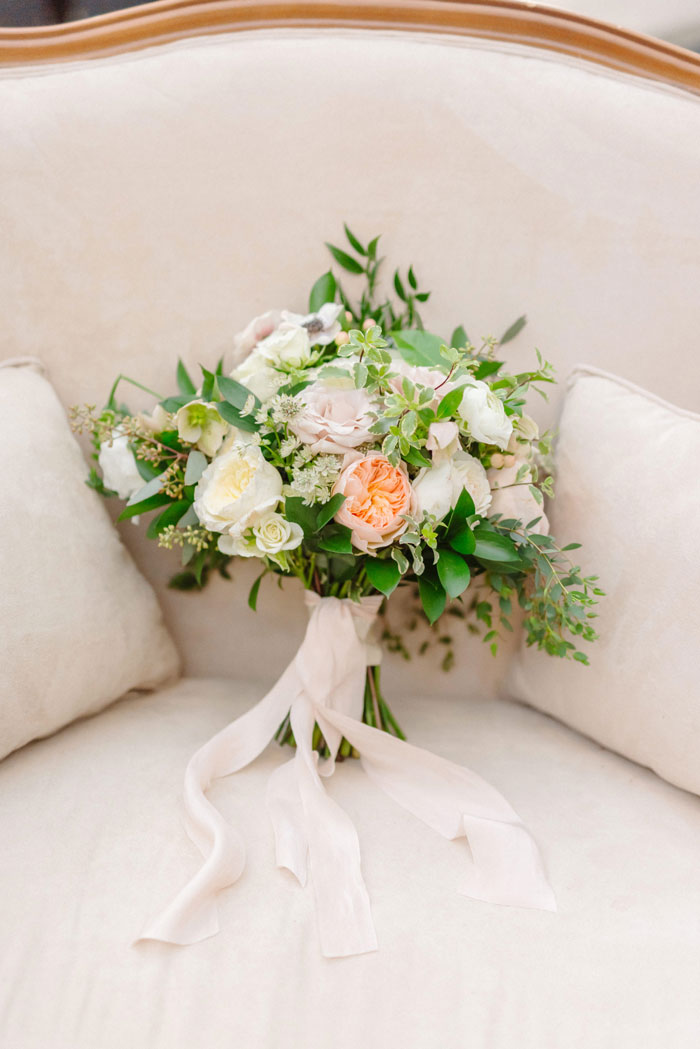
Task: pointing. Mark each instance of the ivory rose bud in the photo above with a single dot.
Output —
(376, 495)
(438, 487)
(200, 424)
(259, 328)
(118, 466)
(333, 420)
(443, 436)
(289, 346)
(513, 499)
(485, 415)
(237, 489)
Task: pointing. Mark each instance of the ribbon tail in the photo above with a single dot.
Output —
(454, 801)
(193, 915)
(286, 812)
(342, 903)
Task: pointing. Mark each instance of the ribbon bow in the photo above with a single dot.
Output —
(324, 683)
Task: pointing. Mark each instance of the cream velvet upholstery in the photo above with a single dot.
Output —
(79, 625)
(618, 965)
(153, 203)
(629, 489)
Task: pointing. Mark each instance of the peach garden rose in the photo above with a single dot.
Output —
(377, 494)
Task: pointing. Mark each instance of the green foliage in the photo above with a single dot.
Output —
(383, 574)
(323, 291)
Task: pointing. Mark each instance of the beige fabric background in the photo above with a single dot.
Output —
(617, 967)
(153, 203)
(79, 625)
(628, 485)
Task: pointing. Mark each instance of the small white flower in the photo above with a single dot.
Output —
(274, 533)
(200, 424)
(484, 414)
(321, 326)
(118, 466)
(289, 347)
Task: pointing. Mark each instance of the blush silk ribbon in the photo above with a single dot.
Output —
(314, 836)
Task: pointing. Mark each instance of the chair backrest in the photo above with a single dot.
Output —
(170, 171)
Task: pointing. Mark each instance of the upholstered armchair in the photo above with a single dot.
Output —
(166, 173)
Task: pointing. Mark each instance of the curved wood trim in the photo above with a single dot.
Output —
(496, 20)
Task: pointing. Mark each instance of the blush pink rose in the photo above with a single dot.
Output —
(333, 420)
(419, 376)
(377, 494)
(259, 328)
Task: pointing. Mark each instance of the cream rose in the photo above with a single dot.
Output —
(439, 486)
(484, 414)
(118, 466)
(377, 495)
(333, 420)
(258, 376)
(513, 499)
(237, 489)
(288, 346)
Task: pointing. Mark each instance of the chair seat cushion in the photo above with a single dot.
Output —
(93, 844)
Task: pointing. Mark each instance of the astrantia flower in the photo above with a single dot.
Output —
(377, 495)
(333, 420)
(321, 326)
(484, 414)
(314, 476)
(200, 424)
(237, 489)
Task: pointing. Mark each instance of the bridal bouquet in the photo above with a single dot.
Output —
(359, 453)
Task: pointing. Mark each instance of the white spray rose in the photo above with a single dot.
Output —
(288, 346)
(258, 376)
(237, 489)
(118, 466)
(513, 499)
(269, 537)
(200, 424)
(438, 487)
(485, 415)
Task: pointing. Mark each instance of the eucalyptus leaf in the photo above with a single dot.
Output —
(150, 488)
(196, 465)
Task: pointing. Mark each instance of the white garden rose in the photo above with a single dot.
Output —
(333, 420)
(258, 376)
(118, 466)
(513, 499)
(443, 436)
(237, 489)
(484, 414)
(289, 346)
(438, 487)
(200, 424)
